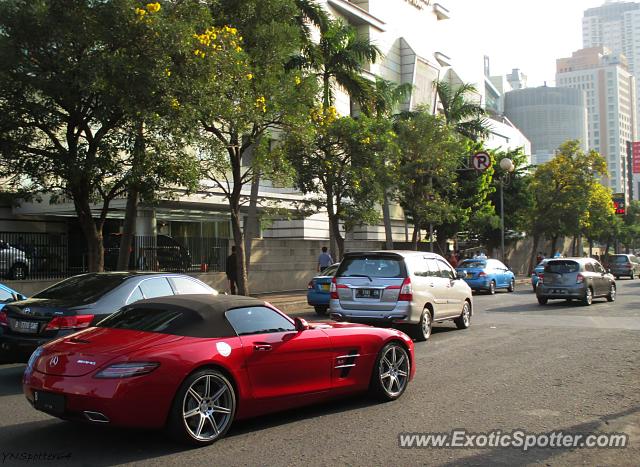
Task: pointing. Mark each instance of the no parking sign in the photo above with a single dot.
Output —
(481, 161)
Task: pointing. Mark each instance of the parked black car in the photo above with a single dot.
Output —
(162, 253)
(79, 302)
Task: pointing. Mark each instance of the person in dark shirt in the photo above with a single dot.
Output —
(232, 270)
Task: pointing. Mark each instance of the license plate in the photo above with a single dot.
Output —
(325, 287)
(560, 291)
(49, 402)
(367, 293)
(29, 327)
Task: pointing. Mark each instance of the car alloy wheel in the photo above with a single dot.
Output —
(464, 320)
(492, 287)
(423, 329)
(542, 300)
(612, 293)
(391, 373)
(512, 286)
(203, 409)
(588, 297)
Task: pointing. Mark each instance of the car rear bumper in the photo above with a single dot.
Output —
(621, 271)
(315, 298)
(134, 402)
(479, 284)
(18, 349)
(401, 313)
(560, 292)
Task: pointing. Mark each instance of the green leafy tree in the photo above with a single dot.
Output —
(335, 162)
(240, 94)
(428, 156)
(562, 189)
(61, 103)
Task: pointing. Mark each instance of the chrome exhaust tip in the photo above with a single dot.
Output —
(95, 417)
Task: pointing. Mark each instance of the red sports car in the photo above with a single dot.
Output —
(195, 363)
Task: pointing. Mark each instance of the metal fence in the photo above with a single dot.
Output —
(33, 255)
(48, 256)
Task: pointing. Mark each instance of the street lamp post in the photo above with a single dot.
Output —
(507, 166)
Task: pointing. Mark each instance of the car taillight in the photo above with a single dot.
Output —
(126, 370)
(541, 278)
(406, 291)
(310, 285)
(482, 274)
(579, 279)
(628, 266)
(333, 289)
(4, 321)
(69, 322)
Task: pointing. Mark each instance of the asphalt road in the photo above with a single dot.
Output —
(520, 366)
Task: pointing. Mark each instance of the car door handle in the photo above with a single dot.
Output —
(262, 347)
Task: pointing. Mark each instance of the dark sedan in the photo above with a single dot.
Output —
(79, 302)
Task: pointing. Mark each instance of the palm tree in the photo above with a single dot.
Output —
(340, 56)
(310, 13)
(467, 117)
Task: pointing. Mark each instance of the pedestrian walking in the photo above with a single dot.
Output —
(324, 260)
(232, 271)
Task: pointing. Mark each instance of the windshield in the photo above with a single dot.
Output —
(562, 267)
(619, 259)
(372, 266)
(330, 271)
(473, 264)
(86, 288)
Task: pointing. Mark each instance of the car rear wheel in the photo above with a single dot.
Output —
(422, 330)
(464, 320)
(542, 300)
(492, 288)
(612, 293)
(321, 310)
(391, 372)
(203, 408)
(18, 272)
(512, 286)
(588, 297)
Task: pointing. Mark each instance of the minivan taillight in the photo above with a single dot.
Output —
(333, 289)
(406, 291)
(69, 322)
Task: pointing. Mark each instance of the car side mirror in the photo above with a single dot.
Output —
(461, 274)
(301, 324)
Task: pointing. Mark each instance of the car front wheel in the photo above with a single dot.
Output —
(391, 373)
(203, 408)
(512, 286)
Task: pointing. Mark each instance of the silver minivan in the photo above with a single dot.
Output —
(403, 288)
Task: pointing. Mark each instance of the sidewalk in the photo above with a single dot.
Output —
(295, 301)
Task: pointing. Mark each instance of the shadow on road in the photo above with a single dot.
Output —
(511, 456)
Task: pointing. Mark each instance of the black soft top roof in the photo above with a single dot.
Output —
(204, 314)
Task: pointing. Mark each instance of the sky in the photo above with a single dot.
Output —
(524, 34)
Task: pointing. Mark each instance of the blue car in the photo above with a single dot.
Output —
(487, 275)
(318, 289)
(537, 272)
(8, 295)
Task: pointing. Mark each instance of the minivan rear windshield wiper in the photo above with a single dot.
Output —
(359, 275)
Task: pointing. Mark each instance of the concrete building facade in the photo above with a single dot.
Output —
(548, 117)
(610, 91)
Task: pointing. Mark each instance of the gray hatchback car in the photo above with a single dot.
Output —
(624, 265)
(575, 279)
(402, 288)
